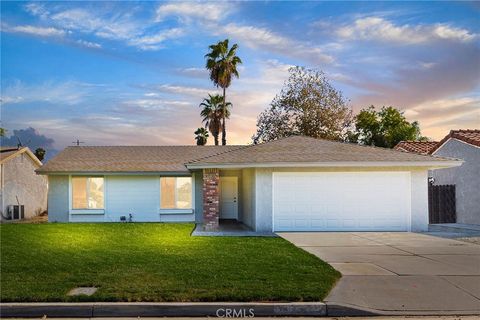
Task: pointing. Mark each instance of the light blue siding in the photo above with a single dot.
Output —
(58, 198)
(136, 195)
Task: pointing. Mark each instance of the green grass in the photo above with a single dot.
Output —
(154, 262)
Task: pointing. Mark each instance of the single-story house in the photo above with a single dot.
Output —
(292, 184)
(465, 145)
(19, 185)
(459, 144)
(422, 147)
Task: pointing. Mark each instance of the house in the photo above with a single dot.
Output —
(422, 147)
(291, 184)
(19, 184)
(461, 144)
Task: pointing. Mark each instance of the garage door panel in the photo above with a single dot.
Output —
(351, 201)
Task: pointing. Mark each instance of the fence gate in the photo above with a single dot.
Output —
(441, 204)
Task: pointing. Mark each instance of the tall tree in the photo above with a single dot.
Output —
(211, 115)
(201, 135)
(307, 105)
(385, 127)
(40, 153)
(3, 132)
(222, 63)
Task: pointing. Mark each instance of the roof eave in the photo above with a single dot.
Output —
(113, 173)
(438, 164)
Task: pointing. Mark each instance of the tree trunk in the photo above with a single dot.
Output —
(215, 137)
(224, 131)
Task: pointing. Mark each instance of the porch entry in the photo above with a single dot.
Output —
(228, 198)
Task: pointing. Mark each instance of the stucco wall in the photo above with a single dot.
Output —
(58, 198)
(263, 199)
(466, 179)
(248, 197)
(419, 200)
(198, 196)
(20, 180)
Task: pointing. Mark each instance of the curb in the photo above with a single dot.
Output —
(207, 309)
(222, 310)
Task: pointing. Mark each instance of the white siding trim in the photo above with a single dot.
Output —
(417, 164)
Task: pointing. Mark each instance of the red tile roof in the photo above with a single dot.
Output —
(422, 147)
(469, 136)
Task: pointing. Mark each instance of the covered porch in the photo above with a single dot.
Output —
(228, 203)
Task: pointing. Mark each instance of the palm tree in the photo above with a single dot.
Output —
(201, 135)
(222, 63)
(212, 115)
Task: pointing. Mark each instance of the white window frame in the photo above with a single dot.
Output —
(86, 210)
(176, 210)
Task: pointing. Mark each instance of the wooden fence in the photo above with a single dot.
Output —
(441, 204)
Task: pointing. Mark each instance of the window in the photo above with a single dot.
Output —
(87, 193)
(176, 193)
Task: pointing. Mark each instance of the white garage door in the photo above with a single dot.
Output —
(347, 201)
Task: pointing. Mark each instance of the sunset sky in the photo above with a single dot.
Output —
(132, 73)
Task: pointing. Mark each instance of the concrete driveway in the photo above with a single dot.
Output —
(398, 271)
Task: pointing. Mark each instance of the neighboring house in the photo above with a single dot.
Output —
(422, 147)
(462, 144)
(292, 184)
(19, 183)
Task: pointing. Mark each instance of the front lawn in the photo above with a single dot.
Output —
(154, 262)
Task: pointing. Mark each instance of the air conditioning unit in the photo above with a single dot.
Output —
(16, 212)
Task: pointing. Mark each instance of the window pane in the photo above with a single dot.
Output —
(79, 193)
(184, 193)
(167, 190)
(95, 192)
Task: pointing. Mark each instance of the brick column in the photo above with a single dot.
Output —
(211, 198)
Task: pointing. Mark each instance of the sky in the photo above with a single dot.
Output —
(133, 73)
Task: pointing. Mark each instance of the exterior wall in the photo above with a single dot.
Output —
(58, 201)
(419, 200)
(138, 195)
(264, 183)
(466, 179)
(198, 196)
(19, 180)
(263, 199)
(248, 197)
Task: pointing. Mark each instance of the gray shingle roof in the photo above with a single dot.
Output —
(129, 158)
(295, 149)
(306, 149)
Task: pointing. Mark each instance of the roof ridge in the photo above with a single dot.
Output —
(374, 147)
(242, 147)
(152, 146)
(219, 153)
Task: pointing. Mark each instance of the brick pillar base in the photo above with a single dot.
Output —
(211, 198)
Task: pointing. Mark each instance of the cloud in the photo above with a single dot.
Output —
(380, 29)
(152, 42)
(31, 138)
(264, 39)
(89, 44)
(69, 92)
(438, 117)
(34, 30)
(186, 11)
(121, 25)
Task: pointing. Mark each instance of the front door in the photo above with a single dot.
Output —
(228, 198)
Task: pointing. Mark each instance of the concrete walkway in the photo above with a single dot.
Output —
(398, 271)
